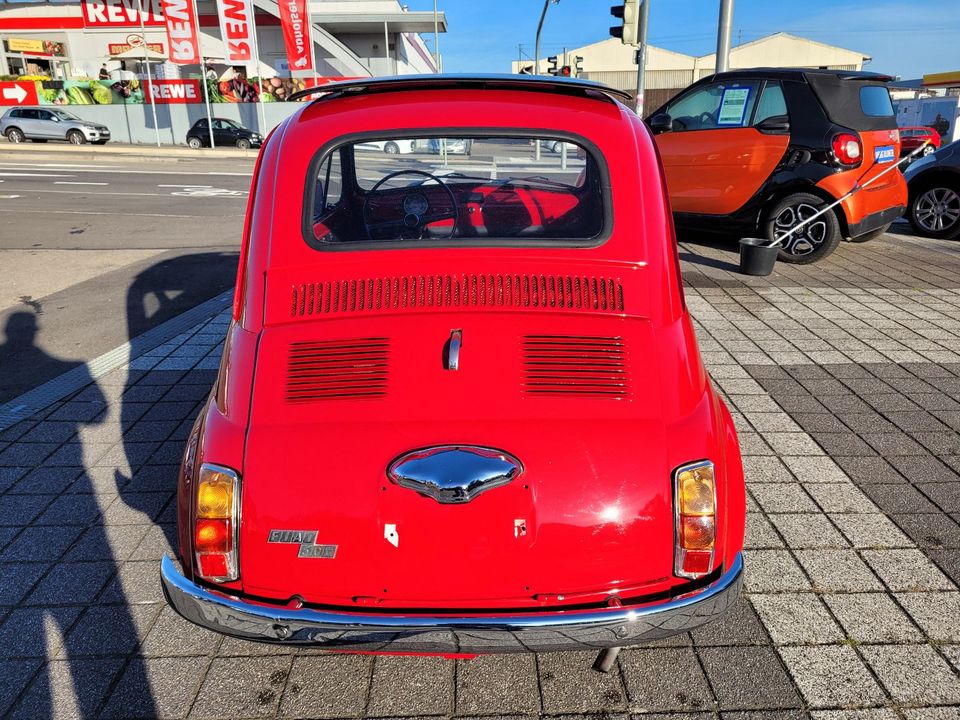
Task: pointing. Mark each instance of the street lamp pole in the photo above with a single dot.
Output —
(536, 51)
(642, 53)
(436, 37)
(725, 27)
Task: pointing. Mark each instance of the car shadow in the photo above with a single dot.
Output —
(66, 546)
(715, 251)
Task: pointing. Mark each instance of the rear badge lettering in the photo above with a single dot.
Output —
(307, 540)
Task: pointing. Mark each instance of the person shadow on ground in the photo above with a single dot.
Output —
(63, 543)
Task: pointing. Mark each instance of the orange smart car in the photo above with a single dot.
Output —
(758, 151)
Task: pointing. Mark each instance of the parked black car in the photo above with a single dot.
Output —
(225, 133)
(934, 184)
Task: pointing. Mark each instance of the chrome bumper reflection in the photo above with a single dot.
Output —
(534, 632)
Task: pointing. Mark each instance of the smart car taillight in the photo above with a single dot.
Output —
(695, 509)
(847, 148)
(216, 518)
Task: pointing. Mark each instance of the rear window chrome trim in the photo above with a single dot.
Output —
(456, 132)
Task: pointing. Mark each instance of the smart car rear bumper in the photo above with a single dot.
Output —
(489, 633)
(876, 220)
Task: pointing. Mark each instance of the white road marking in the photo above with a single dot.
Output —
(99, 212)
(110, 171)
(68, 182)
(183, 186)
(241, 195)
(30, 175)
(8, 197)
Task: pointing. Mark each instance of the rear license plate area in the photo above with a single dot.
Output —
(883, 154)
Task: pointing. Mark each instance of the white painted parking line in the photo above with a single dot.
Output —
(68, 182)
(8, 197)
(241, 195)
(183, 186)
(115, 171)
(98, 212)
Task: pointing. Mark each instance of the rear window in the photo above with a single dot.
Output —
(875, 101)
(416, 190)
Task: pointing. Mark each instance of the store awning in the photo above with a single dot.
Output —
(410, 21)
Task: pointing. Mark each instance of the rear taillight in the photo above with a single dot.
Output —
(847, 149)
(695, 507)
(216, 517)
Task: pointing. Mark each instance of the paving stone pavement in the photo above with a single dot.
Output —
(844, 381)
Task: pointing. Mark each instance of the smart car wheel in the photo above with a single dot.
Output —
(812, 242)
(75, 137)
(194, 142)
(243, 144)
(15, 135)
(391, 148)
(935, 209)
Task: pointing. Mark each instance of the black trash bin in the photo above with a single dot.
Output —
(757, 256)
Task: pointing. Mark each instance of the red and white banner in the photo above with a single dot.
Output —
(18, 93)
(236, 29)
(295, 21)
(120, 13)
(182, 31)
(173, 92)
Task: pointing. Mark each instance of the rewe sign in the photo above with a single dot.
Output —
(236, 29)
(182, 31)
(120, 13)
(174, 92)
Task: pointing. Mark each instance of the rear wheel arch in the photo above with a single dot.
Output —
(785, 191)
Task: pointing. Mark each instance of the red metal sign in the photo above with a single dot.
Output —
(18, 93)
(182, 31)
(173, 92)
(295, 21)
(236, 29)
(120, 13)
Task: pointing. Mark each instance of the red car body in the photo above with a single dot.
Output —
(913, 137)
(576, 546)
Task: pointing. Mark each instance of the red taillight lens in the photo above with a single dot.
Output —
(847, 148)
(216, 514)
(695, 500)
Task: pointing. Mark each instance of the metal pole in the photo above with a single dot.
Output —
(724, 29)
(256, 69)
(146, 61)
(436, 37)
(203, 72)
(536, 51)
(642, 54)
(386, 45)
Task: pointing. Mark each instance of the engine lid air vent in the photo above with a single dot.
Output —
(489, 292)
(337, 369)
(584, 366)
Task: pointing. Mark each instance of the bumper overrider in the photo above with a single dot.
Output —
(423, 633)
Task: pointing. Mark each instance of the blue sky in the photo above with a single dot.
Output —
(903, 37)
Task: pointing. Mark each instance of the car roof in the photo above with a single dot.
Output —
(542, 83)
(798, 74)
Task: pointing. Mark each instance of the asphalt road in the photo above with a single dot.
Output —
(99, 252)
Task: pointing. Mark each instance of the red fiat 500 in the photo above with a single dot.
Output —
(461, 407)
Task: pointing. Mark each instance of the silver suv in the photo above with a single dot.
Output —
(42, 124)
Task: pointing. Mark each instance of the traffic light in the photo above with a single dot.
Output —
(628, 31)
(552, 65)
(577, 69)
(565, 71)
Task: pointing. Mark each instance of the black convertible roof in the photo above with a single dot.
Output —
(431, 82)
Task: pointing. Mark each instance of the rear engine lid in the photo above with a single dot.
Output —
(580, 412)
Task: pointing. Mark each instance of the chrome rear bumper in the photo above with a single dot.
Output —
(493, 633)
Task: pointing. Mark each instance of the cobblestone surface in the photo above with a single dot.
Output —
(844, 381)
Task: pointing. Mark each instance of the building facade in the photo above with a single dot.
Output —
(612, 63)
(76, 38)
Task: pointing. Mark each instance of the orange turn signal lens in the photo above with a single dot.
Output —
(695, 490)
(214, 494)
(697, 533)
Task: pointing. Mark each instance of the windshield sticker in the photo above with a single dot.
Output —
(733, 106)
